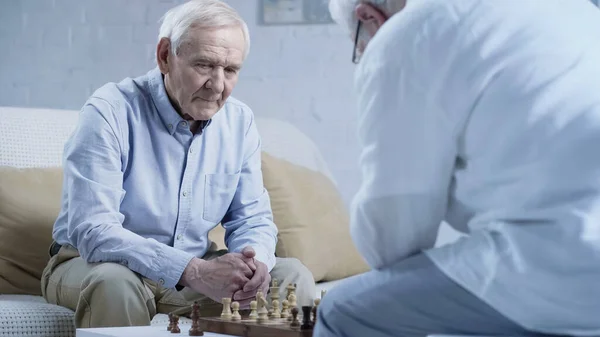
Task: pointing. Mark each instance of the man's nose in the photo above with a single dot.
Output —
(216, 81)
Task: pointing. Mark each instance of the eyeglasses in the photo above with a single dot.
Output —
(355, 54)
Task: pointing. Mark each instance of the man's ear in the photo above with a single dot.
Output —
(371, 17)
(163, 55)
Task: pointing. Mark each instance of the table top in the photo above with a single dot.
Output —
(140, 331)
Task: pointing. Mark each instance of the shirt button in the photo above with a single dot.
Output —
(161, 282)
(185, 194)
(170, 126)
(191, 150)
(184, 124)
(179, 237)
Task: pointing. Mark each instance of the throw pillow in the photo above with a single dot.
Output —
(29, 205)
(312, 220)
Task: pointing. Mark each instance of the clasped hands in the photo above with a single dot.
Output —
(233, 275)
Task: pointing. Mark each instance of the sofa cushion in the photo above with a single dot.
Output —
(312, 220)
(29, 204)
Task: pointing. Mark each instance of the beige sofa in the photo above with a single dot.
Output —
(307, 209)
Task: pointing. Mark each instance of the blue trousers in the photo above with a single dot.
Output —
(410, 298)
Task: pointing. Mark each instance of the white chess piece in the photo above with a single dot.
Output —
(292, 300)
(276, 310)
(226, 314)
(236, 312)
(292, 303)
(285, 307)
(263, 312)
(253, 313)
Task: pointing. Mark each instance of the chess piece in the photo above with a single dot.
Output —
(195, 329)
(306, 323)
(295, 323)
(253, 313)
(292, 300)
(290, 289)
(236, 311)
(175, 327)
(276, 311)
(171, 321)
(314, 311)
(262, 308)
(285, 307)
(226, 314)
(274, 291)
(292, 303)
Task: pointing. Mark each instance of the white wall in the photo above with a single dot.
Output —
(57, 52)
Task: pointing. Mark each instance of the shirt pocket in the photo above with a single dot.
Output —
(219, 190)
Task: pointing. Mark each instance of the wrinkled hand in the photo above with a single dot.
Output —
(259, 282)
(220, 277)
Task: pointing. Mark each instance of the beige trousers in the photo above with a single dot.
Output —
(109, 294)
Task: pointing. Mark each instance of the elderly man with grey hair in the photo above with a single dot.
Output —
(155, 163)
(484, 114)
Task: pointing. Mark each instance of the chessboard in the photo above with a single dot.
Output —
(278, 327)
(263, 319)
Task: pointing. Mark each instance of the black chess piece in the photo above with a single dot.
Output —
(171, 321)
(175, 328)
(295, 323)
(306, 323)
(195, 329)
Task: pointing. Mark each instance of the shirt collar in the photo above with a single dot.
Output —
(167, 113)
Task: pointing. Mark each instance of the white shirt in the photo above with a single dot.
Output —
(486, 114)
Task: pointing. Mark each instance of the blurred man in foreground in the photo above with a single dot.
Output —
(485, 114)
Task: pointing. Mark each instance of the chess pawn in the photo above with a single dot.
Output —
(253, 313)
(236, 311)
(226, 314)
(314, 310)
(276, 310)
(175, 327)
(295, 322)
(285, 307)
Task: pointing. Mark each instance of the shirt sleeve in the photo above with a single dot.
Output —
(249, 220)
(407, 153)
(93, 173)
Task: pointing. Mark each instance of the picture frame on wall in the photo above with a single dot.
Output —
(294, 12)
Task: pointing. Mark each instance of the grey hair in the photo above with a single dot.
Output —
(206, 13)
(342, 11)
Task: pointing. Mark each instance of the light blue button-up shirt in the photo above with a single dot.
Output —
(140, 189)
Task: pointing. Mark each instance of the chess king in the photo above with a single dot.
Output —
(155, 163)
